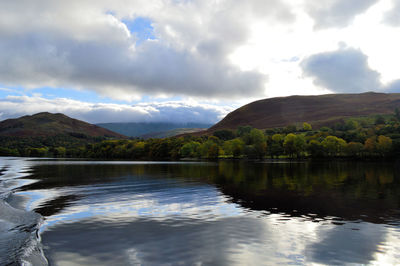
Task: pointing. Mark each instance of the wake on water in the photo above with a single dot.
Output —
(19, 237)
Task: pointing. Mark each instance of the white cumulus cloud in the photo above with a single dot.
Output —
(176, 111)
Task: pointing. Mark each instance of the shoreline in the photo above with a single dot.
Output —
(193, 160)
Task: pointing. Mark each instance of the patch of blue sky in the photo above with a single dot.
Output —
(141, 28)
(53, 93)
(10, 91)
(78, 95)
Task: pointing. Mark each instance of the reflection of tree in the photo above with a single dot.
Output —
(347, 190)
(343, 189)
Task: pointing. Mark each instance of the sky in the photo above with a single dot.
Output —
(189, 60)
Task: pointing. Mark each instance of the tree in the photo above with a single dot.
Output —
(257, 139)
(242, 130)
(351, 124)
(326, 129)
(397, 113)
(333, 145)
(300, 145)
(137, 151)
(190, 149)
(276, 147)
(379, 120)
(37, 152)
(354, 149)
(250, 152)
(290, 129)
(60, 152)
(294, 144)
(307, 126)
(224, 134)
(370, 145)
(209, 149)
(384, 145)
(315, 148)
(234, 147)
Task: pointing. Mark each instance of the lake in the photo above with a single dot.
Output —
(198, 213)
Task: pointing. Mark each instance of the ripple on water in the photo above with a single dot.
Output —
(19, 242)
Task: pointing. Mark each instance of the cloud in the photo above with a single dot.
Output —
(81, 45)
(393, 87)
(174, 111)
(345, 70)
(393, 16)
(336, 13)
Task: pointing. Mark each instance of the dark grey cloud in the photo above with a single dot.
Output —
(36, 60)
(81, 45)
(393, 16)
(336, 13)
(345, 70)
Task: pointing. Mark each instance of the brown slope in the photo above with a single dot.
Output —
(318, 110)
(47, 124)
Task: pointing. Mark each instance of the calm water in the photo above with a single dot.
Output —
(227, 213)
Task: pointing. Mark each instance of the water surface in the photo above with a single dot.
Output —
(226, 213)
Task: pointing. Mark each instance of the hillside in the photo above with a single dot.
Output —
(48, 125)
(323, 110)
(172, 133)
(143, 129)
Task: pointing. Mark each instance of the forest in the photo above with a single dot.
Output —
(360, 137)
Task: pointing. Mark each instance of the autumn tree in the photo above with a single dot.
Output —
(276, 146)
(224, 134)
(190, 149)
(257, 139)
(307, 126)
(234, 147)
(370, 145)
(384, 145)
(294, 144)
(209, 149)
(333, 145)
(354, 149)
(315, 148)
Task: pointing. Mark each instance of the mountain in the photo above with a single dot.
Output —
(147, 129)
(47, 125)
(172, 133)
(322, 110)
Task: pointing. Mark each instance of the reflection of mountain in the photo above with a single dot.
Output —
(102, 213)
(348, 191)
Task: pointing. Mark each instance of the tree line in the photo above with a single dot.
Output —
(363, 137)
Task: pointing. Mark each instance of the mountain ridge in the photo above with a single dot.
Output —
(149, 129)
(47, 124)
(318, 110)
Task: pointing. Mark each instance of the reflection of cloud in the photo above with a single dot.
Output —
(118, 205)
(348, 243)
(146, 216)
(172, 241)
